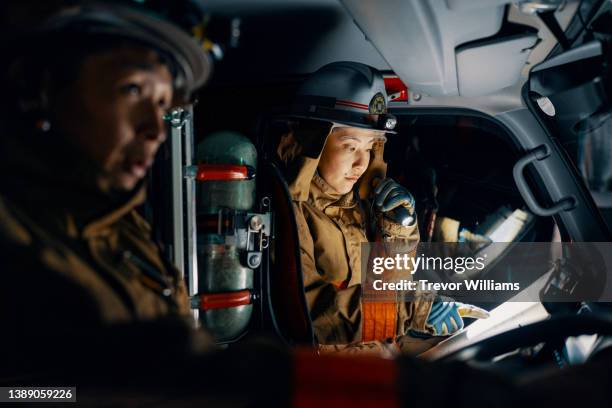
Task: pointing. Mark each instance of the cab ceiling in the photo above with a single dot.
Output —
(446, 47)
(437, 47)
(281, 38)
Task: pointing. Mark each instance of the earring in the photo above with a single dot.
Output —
(43, 125)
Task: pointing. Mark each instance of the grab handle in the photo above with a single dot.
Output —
(539, 153)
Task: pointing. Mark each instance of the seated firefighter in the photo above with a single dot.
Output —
(336, 177)
(90, 87)
(86, 296)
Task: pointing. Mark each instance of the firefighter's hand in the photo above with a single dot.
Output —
(393, 200)
(446, 318)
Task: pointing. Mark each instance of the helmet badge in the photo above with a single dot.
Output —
(378, 104)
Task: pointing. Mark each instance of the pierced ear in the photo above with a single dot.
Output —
(43, 95)
(30, 86)
(28, 105)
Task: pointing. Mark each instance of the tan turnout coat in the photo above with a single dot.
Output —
(74, 258)
(331, 229)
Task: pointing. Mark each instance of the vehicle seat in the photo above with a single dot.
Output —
(285, 296)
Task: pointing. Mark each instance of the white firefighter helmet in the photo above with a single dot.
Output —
(345, 93)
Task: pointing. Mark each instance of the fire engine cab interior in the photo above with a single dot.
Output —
(472, 85)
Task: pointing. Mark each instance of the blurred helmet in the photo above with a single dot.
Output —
(345, 93)
(186, 58)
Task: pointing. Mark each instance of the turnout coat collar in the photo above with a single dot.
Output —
(87, 244)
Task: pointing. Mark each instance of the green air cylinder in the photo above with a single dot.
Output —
(221, 265)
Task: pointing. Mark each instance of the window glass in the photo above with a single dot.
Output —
(590, 147)
(460, 170)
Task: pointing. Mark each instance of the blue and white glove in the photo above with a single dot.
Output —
(446, 318)
(395, 202)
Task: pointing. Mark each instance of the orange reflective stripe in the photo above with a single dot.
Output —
(379, 320)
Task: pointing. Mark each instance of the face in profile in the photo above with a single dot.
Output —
(346, 156)
(113, 113)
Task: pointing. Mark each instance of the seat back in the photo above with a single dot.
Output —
(285, 295)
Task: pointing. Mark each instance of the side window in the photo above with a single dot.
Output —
(593, 155)
(460, 170)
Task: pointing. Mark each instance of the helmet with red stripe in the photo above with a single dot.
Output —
(345, 93)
